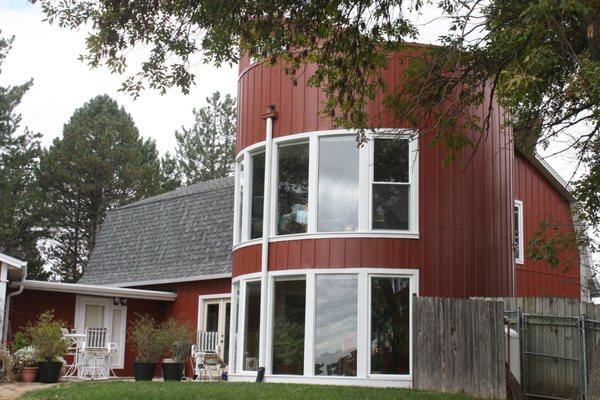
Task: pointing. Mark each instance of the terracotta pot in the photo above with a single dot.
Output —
(29, 374)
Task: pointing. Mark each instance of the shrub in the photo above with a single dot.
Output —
(144, 338)
(47, 337)
(20, 341)
(175, 338)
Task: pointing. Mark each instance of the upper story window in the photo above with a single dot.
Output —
(324, 184)
(519, 236)
(292, 189)
(338, 184)
(258, 190)
(390, 184)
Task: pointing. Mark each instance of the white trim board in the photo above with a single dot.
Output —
(99, 291)
(174, 280)
(11, 261)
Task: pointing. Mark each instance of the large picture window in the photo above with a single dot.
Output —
(292, 189)
(251, 326)
(390, 330)
(391, 184)
(338, 184)
(336, 325)
(258, 190)
(288, 326)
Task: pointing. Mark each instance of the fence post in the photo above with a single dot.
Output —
(584, 359)
(521, 330)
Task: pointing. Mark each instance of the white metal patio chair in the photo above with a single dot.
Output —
(96, 352)
(205, 356)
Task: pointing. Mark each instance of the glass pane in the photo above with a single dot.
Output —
(288, 327)
(212, 317)
(258, 190)
(226, 333)
(240, 201)
(390, 315)
(234, 349)
(390, 161)
(336, 325)
(338, 184)
(390, 206)
(292, 213)
(251, 330)
(517, 237)
(115, 332)
(94, 316)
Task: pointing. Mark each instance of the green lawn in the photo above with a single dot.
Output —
(120, 390)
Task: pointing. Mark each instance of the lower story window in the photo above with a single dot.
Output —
(336, 325)
(252, 326)
(288, 326)
(390, 311)
(330, 324)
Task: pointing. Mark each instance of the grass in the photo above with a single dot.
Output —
(119, 390)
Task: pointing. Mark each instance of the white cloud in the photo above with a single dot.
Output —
(62, 83)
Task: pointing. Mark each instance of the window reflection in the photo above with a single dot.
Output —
(288, 327)
(390, 206)
(252, 326)
(390, 325)
(240, 201)
(292, 207)
(258, 190)
(338, 184)
(336, 325)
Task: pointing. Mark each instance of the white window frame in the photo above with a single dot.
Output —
(238, 201)
(248, 174)
(109, 306)
(412, 183)
(365, 186)
(363, 329)
(520, 246)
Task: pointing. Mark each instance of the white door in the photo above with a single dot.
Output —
(214, 317)
(99, 312)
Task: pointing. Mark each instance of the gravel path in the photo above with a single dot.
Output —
(12, 391)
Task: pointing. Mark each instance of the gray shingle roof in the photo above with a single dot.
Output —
(179, 234)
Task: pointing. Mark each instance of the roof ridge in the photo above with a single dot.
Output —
(148, 200)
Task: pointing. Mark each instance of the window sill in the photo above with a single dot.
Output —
(330, 235)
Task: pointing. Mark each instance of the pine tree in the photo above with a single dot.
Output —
(19, 157)
(101, 162)
(170, 178)
(206, 150)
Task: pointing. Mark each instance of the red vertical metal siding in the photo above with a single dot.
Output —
(465, 225)
(27, 306)
(542, 202)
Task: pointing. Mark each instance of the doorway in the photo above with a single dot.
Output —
(214, 316)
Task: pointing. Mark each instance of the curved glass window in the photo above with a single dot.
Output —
(336, 325)
(288, 326)
(391, 187)
(390, 311)
(252, 326)
(258, 195)
(292, 190)
(338, 184)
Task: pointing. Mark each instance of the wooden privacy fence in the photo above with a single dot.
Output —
(559, 338)
(459, 346)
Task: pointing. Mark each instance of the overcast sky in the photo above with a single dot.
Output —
(61, 83)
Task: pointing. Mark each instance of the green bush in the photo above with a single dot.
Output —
(47, 337)
(175, 338)
(20, 341)
(144, 338)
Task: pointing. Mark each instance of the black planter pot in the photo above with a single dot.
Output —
(49, 371)
(143, 371)
(172, 371)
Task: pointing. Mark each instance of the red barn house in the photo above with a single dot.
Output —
(307, 260)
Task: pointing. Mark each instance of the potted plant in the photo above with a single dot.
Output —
(175, 337)
(47, 339)
(146, 345)
(26, 361)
